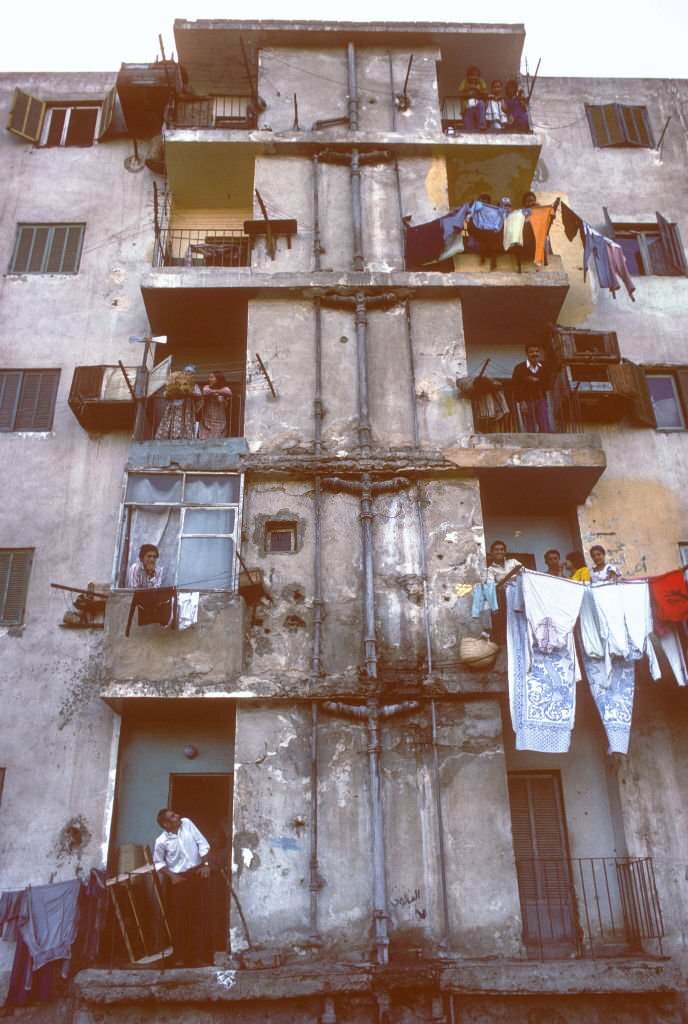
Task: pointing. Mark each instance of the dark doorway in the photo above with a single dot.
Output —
(543, 865)
(207, 800)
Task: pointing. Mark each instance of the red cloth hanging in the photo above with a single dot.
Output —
(670, 595)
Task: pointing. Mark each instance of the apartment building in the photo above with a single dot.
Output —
(247, 209)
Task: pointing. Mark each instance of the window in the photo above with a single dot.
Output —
(683, 552)
(27, 399)
(70, 125)
(60, 122)
(15, 566)
(2, 781)
(47, 249)
(192, 518)
(669, 396)
(650, 248)
(582, 346)
(280, 537)
(616, 124)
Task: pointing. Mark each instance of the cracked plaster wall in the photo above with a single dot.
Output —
(273, 811)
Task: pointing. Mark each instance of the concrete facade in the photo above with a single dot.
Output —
(369, 768)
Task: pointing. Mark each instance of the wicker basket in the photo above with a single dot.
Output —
(477, 652)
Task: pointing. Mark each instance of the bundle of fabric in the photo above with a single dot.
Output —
(477, 652)
(615, 628)
(179, 384)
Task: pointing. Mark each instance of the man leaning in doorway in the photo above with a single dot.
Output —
(181, 853)
(531, 381)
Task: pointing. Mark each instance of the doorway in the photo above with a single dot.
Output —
(543, 863)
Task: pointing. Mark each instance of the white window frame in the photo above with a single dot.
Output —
(121, 563)
(68, 108)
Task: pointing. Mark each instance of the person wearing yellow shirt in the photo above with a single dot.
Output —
(576, 567)
(473, 95)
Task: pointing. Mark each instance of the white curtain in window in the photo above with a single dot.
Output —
(159, 526)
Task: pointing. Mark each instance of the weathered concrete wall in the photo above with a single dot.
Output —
(273, 816)
(61, 489)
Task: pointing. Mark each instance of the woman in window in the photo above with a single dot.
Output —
(216, 397)
(145, 573)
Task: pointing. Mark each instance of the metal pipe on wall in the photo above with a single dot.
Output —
(317, 246)
(352, 86)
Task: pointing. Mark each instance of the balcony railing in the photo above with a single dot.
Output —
(192, 418)
(453, 122)
(589, 907)
(493, 415)
(233, 112)
(100, 398)
(201, 247)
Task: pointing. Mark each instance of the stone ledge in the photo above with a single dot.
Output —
(219, 985)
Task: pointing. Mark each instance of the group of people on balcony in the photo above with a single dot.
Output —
(499, 108)
(191, 411)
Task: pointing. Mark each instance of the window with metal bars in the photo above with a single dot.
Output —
(280, 537)
(47, 249)
(619, 124)
(27, 399)
(15, 566)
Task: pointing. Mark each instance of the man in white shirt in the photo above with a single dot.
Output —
(181, 852)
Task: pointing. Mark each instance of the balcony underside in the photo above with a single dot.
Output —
(298, 981)
(490, 300)
(528, 473)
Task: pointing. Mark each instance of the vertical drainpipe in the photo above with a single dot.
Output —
(364, 431)
(356, 208)
(378, 835)
(315, 881)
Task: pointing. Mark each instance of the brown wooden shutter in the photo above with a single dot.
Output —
(682, 383)
(629, 381)
(10, 384)
(636, 126)
(26, 116)
(37, 400)
(15, 566)
(673, 246)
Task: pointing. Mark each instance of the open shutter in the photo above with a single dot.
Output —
(37, 401)
(10, 383)
(158, 376)
(673, 246)
(629, 381)
(26, 116)
(605, 124)
(563, 346)
(636, 126)
(106, 113)
(14, 581)
(681, 377)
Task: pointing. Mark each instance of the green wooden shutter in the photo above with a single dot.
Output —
(539, 836)
(673, 246)
(629, 381)
(10, 384)
(26, 116)
(636, 126)
(15, 566)
(37, 400)
(107, 112)
(605, 124)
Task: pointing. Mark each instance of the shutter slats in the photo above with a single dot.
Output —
(15, 566)
(72, 249)
(26, 116)
(10, 382)
(47, 249)
(672, 245)
(629, 381)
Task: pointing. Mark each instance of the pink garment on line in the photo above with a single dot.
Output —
(617, 263)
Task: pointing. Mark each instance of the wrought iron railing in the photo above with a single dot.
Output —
(452, 118)
(235, 112)
(493, 414)
(192, 418)
(201, 247)
(589, 906)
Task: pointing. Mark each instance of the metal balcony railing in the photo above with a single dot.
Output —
(201, 247)
(492, 415)
(184, 419)
(235, 112)
(452, 119)
(589, 907)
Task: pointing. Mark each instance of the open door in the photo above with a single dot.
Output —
(207, 800)
(543, 864)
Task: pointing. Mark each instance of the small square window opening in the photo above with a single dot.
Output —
(281, 537)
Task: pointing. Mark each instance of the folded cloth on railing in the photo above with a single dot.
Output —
(48, 924)
(187, 608)
(216, 249)
(437, 239)
(158, 605)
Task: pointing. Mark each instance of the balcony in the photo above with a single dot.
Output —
(496, 412)
(589, 907)
(100, 398)
(229, 112)
(201, 247)
(161, 662)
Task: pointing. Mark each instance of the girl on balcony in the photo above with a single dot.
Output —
(216, 398)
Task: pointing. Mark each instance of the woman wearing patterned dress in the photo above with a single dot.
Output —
(216, 397)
